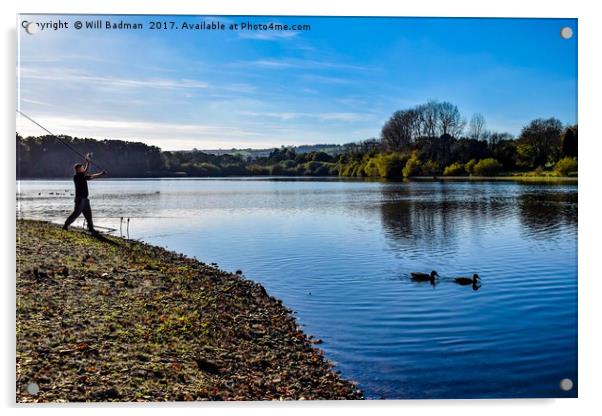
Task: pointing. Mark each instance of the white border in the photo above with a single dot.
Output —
(590, 69)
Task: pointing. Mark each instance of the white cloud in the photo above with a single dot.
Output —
(129, 129)
(269, 63)
(66, 75)
(182, 136)
(297, 115)
(298, 63)
(327, 79)
(342, 116)
(36, 102)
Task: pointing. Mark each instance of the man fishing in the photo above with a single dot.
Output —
(82, 203)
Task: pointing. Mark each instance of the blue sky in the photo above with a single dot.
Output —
(335, 83)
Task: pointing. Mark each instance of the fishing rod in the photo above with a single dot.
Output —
(60, 140)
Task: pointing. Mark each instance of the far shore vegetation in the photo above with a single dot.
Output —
(428, 140)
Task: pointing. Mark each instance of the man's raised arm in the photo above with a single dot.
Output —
(98, 175)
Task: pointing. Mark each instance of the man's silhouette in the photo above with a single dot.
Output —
(82, 203)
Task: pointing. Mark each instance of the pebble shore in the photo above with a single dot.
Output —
(107, 319)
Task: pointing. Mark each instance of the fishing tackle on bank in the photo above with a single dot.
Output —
(108, 229)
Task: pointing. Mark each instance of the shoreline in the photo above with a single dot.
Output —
(517, 178)
(109, 319)
(344, 178)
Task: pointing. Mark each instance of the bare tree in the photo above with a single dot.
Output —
(401, 129)
(429, 116)
(494, 138)
(368, 145)
(431, 120)
(450, 119)
(477, 127)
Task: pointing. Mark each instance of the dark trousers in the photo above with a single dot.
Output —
(82, 205)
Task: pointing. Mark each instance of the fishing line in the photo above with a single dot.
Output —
(59, 139)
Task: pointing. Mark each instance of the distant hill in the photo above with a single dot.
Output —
(331, 149)
(49, 157)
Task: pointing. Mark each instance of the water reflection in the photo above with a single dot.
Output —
(436, 217)
(543, 212)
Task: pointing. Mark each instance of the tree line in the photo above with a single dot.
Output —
(48, 157)
(430, 139)
(434, 139)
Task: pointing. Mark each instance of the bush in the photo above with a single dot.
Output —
(288, 164)
(320, 157)
(315, 168)
(359, 171)
(285, 168)
(233, 170)
(353, 168)
(259, 170)
(206, 169)
(279, 170)
(349, 169)
(487, 167)
(412, 166)
(525, 155)
(566, 166)
(469, 167)
(430, 168)
(371, 168)
(455, 169)
(391, 165)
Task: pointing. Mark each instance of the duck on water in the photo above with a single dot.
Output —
(463, 281)
(424, 277)
(467, 280)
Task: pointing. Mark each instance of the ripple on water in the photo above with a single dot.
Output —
(339, 253)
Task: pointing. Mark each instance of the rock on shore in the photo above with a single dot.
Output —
(105, 319)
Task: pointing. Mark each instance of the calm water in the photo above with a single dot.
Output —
(339, 253)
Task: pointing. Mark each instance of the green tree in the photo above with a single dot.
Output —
(539, 142)
(400, 130)
(487, 167)
(566, 166)
(430, 168)
(386, 165)
(568, 142)
(412, 166)
(455, 169)
(469, 167)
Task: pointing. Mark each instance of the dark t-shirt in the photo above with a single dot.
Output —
(81, 185)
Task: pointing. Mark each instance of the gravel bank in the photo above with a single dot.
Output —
(105, 319)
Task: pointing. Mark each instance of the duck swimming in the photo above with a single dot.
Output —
(423, 277)
(467, 280)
